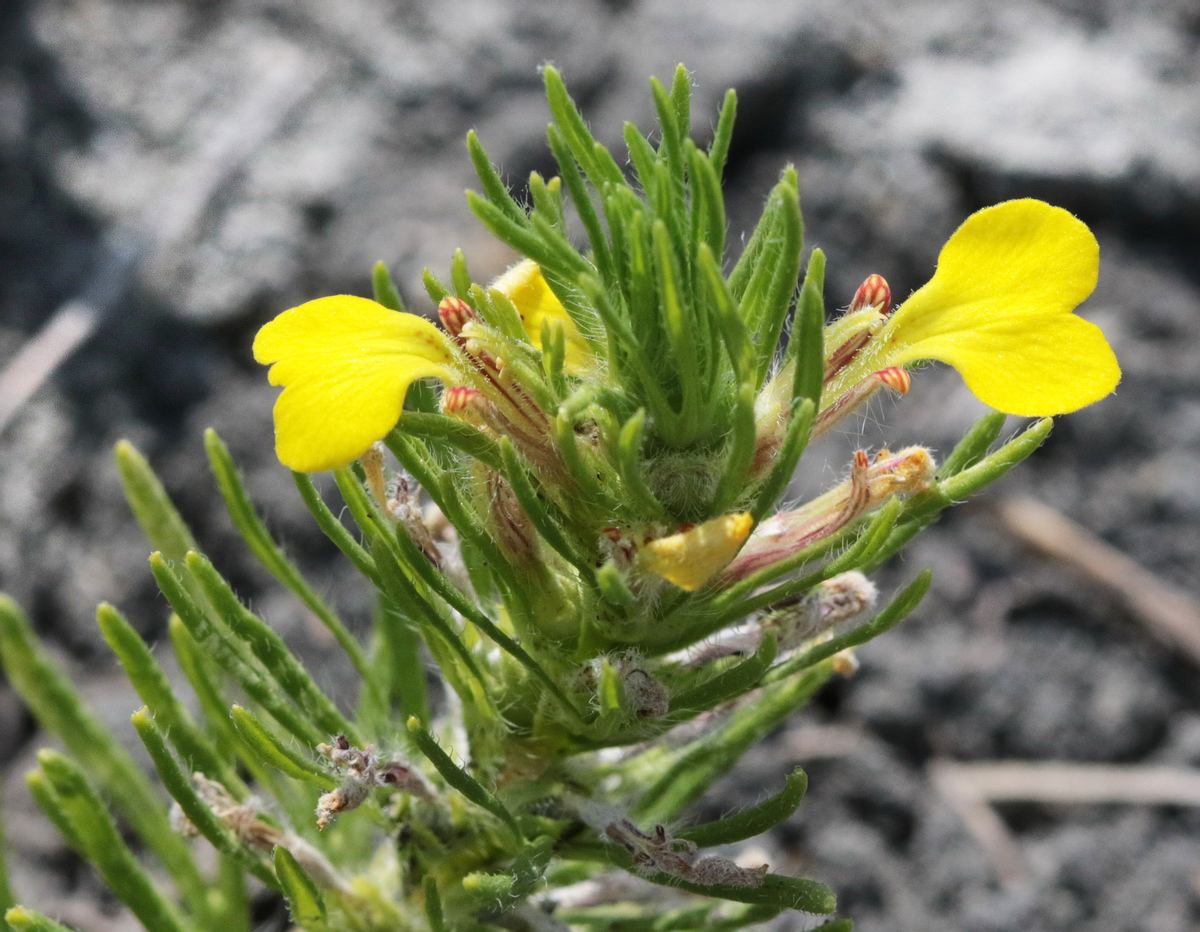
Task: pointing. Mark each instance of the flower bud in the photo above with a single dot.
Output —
(875, 293)
(869, 485)
(455, 313)
(893, 377)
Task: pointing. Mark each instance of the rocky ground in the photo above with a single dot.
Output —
(190, 169)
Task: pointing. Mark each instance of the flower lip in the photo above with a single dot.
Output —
(345, 364)
(999, 310)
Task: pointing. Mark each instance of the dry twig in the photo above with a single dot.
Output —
(1171, 615)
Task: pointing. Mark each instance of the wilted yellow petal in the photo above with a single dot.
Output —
(999, 309)
(690, 558)
(525, 287)
(345, 364)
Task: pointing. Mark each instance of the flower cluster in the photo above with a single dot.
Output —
(566, 497)
(614, 429)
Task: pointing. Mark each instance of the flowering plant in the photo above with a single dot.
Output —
(579, 527)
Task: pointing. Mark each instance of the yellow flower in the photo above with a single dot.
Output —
(999, 310)
(345, 364)
(525, 287)
(690, 558)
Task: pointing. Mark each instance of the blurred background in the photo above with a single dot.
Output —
(174, 174)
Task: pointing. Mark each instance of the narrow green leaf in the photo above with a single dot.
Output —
(460, 275)
(399, 671)
(153, 508)
(57, 706)
(202, 674)
(768, 296)
(539, 510)
(101, 843)
(705, 760)
(680, 328)
(594, 158)
(449, 649)
(751, 822)
(27, 920)
(385, 289)
(304, 900)
(457, 600)
(992, 467)
(333, 528)
(544, 244)
(581, 198)
(275, 753)
(220, 646)
(729, 684)
(806, 348)
(433, 905)
(718, 150)
(493, 186)
(974, 444)
(923, 509)
(433, 287)
(7, 899)
(795, 441)
(708, 203)
(152, 687)
(629, 463)
(458, 778)
(547, 197)
(196, 810)
(740, 445)
(798, 893)
(269, 553)
(276, 658)
(729, 322)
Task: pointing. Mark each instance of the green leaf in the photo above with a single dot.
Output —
(753, 821)
(153, 508)
(277, 660)
(798, 893)
(275, 753)
(594, 158)
(974, 444)
(7, 899)
(718, 150)
(458, 778)
(304, 900)
(581, 198)
(26, 920)
(58, 708)
(195, 808)
(433, 905)
(795, 442)
(493, 186)
(99, 841)
(152, 687)
(221, 647)
(729, 684)
(806, 346)
(385, 289)
(269, 553)
(701, 763)
(333, 528)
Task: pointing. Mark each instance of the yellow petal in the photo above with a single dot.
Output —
(525, 287)
(689, 559)
(345, 364)
(999, 309)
